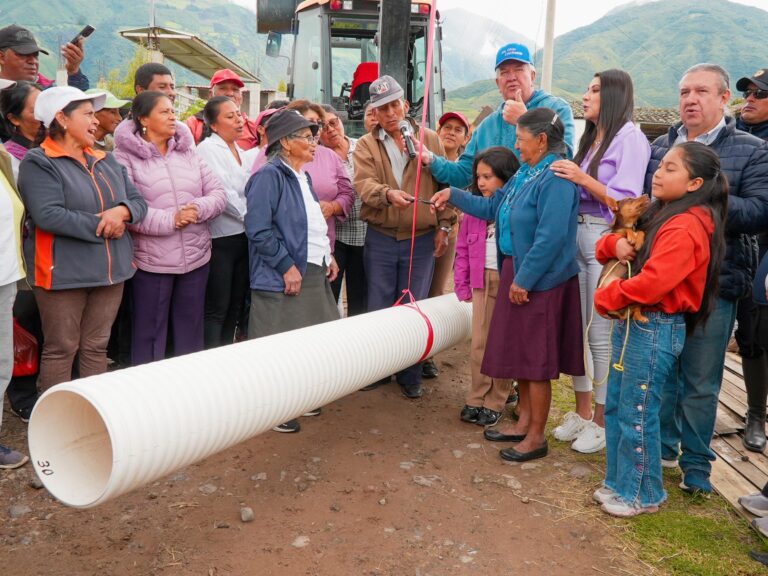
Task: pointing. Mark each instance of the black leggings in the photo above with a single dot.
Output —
(226, 290)
(350, 261)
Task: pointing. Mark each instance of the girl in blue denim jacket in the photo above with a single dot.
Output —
(675, 283)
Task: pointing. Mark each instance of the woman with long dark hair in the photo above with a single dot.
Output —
(609, 165)
(19, 128)
(675, 286)
(228, 276)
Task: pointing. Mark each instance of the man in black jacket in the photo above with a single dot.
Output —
(689, 409)
(754, 360)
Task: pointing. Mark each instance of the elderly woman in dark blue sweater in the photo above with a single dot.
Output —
(535, 333)
(291, 265)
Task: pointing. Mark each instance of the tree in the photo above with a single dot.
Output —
(120, 81)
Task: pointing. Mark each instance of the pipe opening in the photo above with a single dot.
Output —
(70, 447)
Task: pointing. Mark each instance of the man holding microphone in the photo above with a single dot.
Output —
(385, 179)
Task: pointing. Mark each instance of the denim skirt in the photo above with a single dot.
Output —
(538, 340)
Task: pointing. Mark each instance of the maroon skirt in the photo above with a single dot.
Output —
(538, 340)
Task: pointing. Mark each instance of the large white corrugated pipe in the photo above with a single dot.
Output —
(96, 438)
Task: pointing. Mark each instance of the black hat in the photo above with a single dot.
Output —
(759, 79)
(286, 122)
(19, 39)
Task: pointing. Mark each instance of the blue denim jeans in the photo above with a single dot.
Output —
(689, 405)
(386, 268)
(633, 448)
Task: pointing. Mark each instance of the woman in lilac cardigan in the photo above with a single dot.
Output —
(476, 280)
(172, 243)
(610, 163)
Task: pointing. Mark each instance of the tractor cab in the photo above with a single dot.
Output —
(336, 56)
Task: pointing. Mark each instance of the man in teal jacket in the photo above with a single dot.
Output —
(515, 74)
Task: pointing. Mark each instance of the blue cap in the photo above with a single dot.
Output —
(513, 52)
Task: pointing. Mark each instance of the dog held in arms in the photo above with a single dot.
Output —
(628, 211)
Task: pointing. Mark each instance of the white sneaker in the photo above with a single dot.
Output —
(591, 439)
(669, 463)
(617, 507)
(761, 524)
(757, 504)
(571, 427)
(603, 495)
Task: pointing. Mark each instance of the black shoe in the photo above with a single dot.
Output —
(23, 413)
(288, 427)
(470, 413)
(313, 412)
(488, 417)
(514, 456)
(754, 433)
(759, 557)
(411, 391)
(429, 369)
(376, 384)
(495, 436)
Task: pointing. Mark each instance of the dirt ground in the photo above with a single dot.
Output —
(376, 485)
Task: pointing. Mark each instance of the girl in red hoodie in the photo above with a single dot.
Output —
(674, 280)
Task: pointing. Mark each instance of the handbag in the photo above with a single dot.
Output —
(25, 351)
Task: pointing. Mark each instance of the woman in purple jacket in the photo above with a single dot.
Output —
(173, 243)
(611, 162)
(476, 279)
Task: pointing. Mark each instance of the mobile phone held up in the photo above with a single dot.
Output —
(84, 33)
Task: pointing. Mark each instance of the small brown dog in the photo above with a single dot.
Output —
(628, 212)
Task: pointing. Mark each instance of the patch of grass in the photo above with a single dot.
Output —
(690, 536)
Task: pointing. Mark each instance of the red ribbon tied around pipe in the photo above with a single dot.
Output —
(425, 104)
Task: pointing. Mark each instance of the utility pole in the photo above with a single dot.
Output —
(549, 47)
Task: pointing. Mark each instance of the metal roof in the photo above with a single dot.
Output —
(186, 50)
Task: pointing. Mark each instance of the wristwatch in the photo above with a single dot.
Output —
(446, 229)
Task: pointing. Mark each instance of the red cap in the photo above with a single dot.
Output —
(226, 75)
(458, 115)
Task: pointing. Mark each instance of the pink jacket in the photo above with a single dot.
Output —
(469, 266)
(167, 183)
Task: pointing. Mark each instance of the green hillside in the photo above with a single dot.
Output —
(655, 43)
(227, 27)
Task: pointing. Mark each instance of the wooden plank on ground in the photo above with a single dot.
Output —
(733, 457)
(756, 459)
(733, 363)
(731, 485)
(726, 422)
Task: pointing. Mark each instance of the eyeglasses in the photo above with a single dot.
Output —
(757, 93)
(310, 139)
(333, 123)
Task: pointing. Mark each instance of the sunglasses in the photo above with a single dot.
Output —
(758, 94)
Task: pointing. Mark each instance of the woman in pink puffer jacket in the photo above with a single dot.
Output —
(172, 245)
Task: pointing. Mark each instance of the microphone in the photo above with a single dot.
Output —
(405, 130)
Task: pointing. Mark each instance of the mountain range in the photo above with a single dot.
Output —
(654, 41)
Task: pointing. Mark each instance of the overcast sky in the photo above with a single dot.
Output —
(527, 16)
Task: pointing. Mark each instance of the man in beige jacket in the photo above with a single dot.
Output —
(385, 179)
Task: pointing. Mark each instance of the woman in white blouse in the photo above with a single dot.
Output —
(227, 288)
